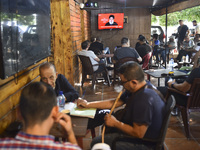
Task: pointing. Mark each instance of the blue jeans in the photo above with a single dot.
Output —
(163, 54)
(107, 51)
(109, 138)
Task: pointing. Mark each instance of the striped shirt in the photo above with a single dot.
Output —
(27, 141)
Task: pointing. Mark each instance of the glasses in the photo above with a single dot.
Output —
(123, 82)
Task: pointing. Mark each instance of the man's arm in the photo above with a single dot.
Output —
(68, 90)
(107, 104)
(137, 130)
(65, 121)
(183, 87)
(139, 59)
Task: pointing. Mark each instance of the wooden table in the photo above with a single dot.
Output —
(157, 73)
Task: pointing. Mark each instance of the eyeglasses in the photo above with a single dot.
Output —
(123, 82)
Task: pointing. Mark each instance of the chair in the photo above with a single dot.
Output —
(156, 144)
(119, 63)
(87, 69)
(146, 60)
(193, 103)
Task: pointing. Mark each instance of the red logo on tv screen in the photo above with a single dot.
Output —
(111, 21)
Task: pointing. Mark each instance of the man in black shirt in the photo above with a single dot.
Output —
(49, 75)
(182, 32)
(97, 46)
(143, 47)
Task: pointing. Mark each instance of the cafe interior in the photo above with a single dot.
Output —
(54, 32)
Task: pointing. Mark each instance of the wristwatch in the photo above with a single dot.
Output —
(172, 85)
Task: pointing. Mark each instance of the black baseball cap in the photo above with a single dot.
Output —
(142, 38)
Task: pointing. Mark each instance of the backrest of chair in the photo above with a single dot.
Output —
(168, 108)
(123, 60)
(86, 64)
(194, 99)
(146, 59)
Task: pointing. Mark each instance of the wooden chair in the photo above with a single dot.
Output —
(119, 63)
(87, 69)
(156, 144)
(193, 103)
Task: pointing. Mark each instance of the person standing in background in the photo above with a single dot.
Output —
(182, 32)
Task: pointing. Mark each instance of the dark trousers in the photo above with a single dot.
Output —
(98, 118)
(180, 99)
(181, 54)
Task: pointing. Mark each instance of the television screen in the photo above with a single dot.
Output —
(110, 21)
(25, 34)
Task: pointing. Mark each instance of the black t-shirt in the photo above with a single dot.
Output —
(194, 74)
(182, 32)
(145, 107)
(143, 49)
(96, 47)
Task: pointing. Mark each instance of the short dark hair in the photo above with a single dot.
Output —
(180, 20)
(124, 40)
(85, 44)
(36, 102)
(98, 39)
(132, 71)
(47, 65)
(194, 21)
(155, 36)
(112, 16)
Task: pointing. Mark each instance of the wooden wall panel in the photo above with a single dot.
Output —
(10, 93)
(139, 22)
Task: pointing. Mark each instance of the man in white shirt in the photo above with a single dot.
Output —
(94, 59)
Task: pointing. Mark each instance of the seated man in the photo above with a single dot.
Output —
(94, 59)
(97, 46)
(143, 112)
(170, 45)
(143, 47)
(126, 51)
(58, 82)
(183, 87)
(156, 47)
(39, 111)
(186, 48)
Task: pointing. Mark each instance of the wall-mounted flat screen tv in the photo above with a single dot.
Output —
(110, 21)
(25, 34)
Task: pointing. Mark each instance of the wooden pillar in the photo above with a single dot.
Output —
(61, 38)
(82, 26)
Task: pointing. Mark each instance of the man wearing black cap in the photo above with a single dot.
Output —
(143, 47)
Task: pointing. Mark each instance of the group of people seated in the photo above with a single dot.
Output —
(185, 44)
(142, 117)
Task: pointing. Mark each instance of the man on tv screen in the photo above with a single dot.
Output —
(111, 21)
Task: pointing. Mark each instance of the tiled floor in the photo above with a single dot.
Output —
(175, 138)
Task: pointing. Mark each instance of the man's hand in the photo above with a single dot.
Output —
(65, 121)
(81, 103)
(170, 83)
(110, 121)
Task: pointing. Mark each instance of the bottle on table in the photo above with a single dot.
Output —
(187, 58)
(171, 64)
(61, 99)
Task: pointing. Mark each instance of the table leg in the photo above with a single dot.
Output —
(158, 82)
